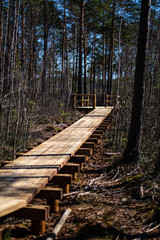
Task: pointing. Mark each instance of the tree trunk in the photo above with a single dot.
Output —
(104, 71)
(81, 48)
(45, 36)
(92, 60)
(132, 149)
(111, 53)
(1, 52)
(85, 60)
(23, 37)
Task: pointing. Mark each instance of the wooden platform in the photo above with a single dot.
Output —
(23, 178)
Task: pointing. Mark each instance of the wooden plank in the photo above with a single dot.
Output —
(71, 168)
(85, 151)
(24, 177)
(50, 193)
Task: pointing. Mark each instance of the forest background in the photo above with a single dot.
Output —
(51, 49)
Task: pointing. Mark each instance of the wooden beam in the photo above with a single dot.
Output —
(71, 168)
(95, 140)
(84, 151)
(94, 135)
(88, 145)
(104, 125)
(79, 159)
(63, 181)
(98, 132)
(38, 215)
(53, 195)
(48, 192)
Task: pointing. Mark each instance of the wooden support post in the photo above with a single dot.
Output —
(82, 101)
(88, 100)
(106, 105)
(79, 159)
(95, 140)
(74, 100)
(84, 151)
(63, 181)
(53, 195)
(88, 145)
(71, 168)
(104, 124)
(101, 128)
(94, 135)
(98, 132)
(94, 101)
(38, 215)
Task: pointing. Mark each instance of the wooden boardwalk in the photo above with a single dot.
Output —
(23, 178)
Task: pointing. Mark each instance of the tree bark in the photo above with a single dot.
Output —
(45, 37)
(132, 149)
(23, 36)
(85, 60)
(111, 53)
(92, 61)
(81, 48)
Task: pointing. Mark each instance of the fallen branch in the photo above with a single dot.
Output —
(60, 224)
(94, 180)
(116, 174)
(147, 231)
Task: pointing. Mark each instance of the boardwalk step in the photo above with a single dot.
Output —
(88, 145)
(98, 132)
(63, 181)
(94, 135)
(38, 215)
(53, 195)
(95, 140)
(71, 168)
(79, 159)
(84, 151)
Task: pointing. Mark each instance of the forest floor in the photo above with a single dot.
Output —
(110, 203)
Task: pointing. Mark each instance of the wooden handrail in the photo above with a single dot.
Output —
(86, 100)
(112, 99)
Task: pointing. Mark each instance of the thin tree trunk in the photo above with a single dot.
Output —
(23, 36)
(132, 149)
(85, 60)
(94, 75)
(81, 48)
(92, 60)
(111, 53)
(1, 52)
(45, 54)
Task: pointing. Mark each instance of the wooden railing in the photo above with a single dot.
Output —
(112, 100)
(84, 100)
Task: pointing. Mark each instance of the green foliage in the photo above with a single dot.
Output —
(31, 104)
(6, 234)
(63, 114)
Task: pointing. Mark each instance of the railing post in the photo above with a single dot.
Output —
(88, 98)
(82, 101)
(106, 102)
(94, 100)
(74, 100)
